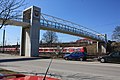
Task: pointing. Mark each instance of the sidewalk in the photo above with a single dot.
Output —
(61, 68)
(9, 58)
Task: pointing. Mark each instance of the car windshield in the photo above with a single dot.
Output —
(115, 54)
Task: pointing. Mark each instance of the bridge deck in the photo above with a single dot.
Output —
(15, 23)
(57, 27)
(52, 23)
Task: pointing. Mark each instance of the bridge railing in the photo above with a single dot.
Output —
(57, 23)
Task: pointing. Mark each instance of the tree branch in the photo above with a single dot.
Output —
(8, 10)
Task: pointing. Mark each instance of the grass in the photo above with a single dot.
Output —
(4, 71)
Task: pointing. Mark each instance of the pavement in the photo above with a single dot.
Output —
(62, 69)
(12, 58)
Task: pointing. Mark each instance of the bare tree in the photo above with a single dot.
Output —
(116, 34)
(50, 37)
(9, 10)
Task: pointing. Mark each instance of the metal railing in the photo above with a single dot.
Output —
(64, 25)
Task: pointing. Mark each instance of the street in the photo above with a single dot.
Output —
(65, 70)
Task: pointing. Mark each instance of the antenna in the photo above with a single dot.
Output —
(47, 69)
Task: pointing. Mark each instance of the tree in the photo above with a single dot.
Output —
(116, 34)
(9, 10)
(109, 48)
(50, 37)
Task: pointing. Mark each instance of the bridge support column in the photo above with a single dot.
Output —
(30, 36)
(101, 47)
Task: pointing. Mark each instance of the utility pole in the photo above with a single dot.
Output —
(3, 40)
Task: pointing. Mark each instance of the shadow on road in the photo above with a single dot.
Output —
(22, 59)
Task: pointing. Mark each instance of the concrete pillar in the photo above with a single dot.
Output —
(97, 47)
(30, 35)
(101, 47)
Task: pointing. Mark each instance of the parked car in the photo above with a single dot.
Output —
(112, 57)
(82, 56)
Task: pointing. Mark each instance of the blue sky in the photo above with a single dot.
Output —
(100, 15)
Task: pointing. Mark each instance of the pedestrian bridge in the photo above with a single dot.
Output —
(34, 20)
(48, 22)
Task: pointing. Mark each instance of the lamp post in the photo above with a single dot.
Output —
(3, 40)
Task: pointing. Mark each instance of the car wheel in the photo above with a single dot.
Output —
(84, 59)
(81, 59)
(66, 58)
(102, 60)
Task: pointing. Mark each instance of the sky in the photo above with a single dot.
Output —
(100, 15)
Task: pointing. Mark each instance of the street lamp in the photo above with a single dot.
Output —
(3, 40)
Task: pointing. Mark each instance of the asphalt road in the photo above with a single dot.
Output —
(65, 70)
